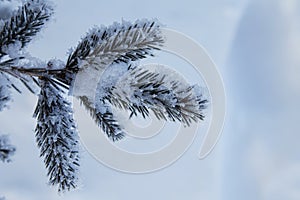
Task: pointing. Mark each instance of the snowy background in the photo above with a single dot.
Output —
(254, 44)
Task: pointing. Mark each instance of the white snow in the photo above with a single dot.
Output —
(110, 77)
(55, 64)
(107, 80)
(13, 50)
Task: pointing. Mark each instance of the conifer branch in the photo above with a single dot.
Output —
(24, 24)
(6, 149)
(104, 119)
(117, 43)
(138, 90)
(56, 136)
(16, 32)
(142, 90)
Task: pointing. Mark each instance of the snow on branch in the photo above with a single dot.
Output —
(15, 33)
(25, 23)
(121, 42)
(6, 149)
(56, 136)
(113, 51)
(104, 119)
(142, 89)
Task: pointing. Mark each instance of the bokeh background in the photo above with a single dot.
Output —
(254, 43)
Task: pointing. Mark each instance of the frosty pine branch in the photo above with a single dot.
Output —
(141, 90)
(6, 149)
(56, 136)
(114, 51)
(24, 24)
